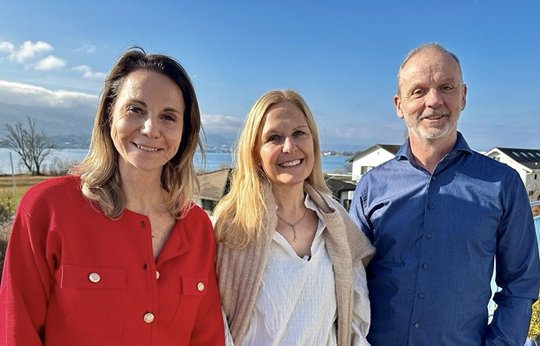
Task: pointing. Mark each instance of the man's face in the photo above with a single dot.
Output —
(431, 95)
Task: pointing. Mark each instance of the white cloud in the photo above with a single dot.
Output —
(88, 73)
(49, 63)
(6, 47)
(28, 51)
(87, 48)
(31, 95)
(221, 124)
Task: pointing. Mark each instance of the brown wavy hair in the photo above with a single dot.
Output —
(100, 176)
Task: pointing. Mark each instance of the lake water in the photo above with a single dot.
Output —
(62, 157)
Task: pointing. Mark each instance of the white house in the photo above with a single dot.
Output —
(373, 156)
(526, 162)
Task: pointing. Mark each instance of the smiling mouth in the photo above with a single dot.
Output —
(148, 149)
(433, 117)
(291, 163)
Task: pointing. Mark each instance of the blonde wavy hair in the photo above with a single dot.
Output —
(241, 213)
(100, 176)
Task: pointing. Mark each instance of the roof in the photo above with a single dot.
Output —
(337, 186)
(529, 158)
(391, 148)
(214, 184)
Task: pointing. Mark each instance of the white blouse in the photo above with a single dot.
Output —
(296, 304)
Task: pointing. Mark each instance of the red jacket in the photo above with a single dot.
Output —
(75, 277)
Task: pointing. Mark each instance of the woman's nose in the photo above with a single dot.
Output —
(150, 127)
(289, 145)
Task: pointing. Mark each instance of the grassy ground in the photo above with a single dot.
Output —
(9, 202)
(23, 182)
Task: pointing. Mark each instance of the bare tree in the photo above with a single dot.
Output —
(32, 147)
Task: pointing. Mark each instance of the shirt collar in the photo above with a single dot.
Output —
(404, 152)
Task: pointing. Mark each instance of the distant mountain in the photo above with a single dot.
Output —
(67, 127)
(71, 127)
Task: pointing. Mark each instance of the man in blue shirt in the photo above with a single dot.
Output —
(439, 214)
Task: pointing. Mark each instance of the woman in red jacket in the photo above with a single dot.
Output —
(117, 253)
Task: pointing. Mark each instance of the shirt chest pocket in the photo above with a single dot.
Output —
(91, 299)
(192, 291)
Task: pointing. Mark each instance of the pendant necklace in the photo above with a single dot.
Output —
(293, 225)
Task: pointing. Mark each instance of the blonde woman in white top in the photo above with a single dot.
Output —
(290, 262)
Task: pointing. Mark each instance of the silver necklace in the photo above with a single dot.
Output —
(293, 225)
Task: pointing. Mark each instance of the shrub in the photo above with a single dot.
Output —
(534, 328)
(8, 204)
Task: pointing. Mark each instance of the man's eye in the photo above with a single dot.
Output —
(418, 92)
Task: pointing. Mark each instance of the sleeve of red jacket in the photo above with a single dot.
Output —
(208, 329)
(26, 279)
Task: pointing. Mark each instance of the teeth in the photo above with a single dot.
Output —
(290, 163)
(146, 148)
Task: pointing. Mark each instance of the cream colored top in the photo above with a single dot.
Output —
(241, 272)
(296, 304)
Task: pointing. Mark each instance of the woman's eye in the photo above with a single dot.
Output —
(298, 133)
(272, 138)
(169, 117)
(134, 109)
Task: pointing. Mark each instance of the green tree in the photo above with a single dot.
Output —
(32, 146)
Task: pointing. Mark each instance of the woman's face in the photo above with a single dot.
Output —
(286, 145)
(147, 121)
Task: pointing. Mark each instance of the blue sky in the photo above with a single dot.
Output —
(342, 56)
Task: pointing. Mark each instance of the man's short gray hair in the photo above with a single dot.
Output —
(419, 49)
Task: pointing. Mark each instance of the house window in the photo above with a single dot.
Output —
(208, 205)
(365, 169)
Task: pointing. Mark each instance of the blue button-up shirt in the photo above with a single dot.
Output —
(437, 236)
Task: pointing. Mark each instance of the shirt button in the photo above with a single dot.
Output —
(421, 295)
(94, 277)
(149, 317)
(200, 287)
(142, 224)
(433, 178)
(417, 325)
(431, 206)
(157, 275)
(425, 266)
(429, 236)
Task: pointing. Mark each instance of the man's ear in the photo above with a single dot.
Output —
(464, 97)
(397, 104)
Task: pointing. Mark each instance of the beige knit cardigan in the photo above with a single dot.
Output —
(240, 272)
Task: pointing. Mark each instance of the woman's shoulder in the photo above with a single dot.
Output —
(57, 189)
(197, 217)
(195, 211)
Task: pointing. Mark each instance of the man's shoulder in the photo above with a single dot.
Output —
(382, 170)
(489, 165)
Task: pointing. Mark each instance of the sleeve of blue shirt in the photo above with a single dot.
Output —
(518, 268)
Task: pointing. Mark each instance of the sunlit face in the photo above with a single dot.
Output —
(286, 145)
(432, 95)
(147, 121)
